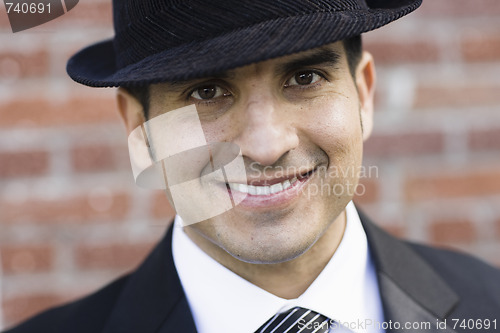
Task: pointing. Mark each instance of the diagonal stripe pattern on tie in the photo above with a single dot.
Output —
(296, 320)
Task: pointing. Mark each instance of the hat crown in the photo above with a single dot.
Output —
(147, 27)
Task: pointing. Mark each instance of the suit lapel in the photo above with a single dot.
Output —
(153, 299)
(400, 307)
(411, 290)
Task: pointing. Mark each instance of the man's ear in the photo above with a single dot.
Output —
(365, 82)
(130, 110)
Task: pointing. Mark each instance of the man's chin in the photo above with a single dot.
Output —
(270, 251)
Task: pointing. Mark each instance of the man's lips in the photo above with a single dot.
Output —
(269, 186)
(263, 190)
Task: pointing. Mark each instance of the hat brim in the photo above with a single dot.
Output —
(95, 65)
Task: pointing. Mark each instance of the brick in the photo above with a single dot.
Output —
(464, 184)
(161, 207)
(444, 231)
(66, 210)
(42, 112)
(86, 14)
(460, 8)
(384, 145)
(367, 191)
(484, 139)
(17, 65)
(481, 48)
(93, 13)
(115, 256)
(93, 158)
(23, 164)
(26, 258)
(396, 230)
(387, 52)
(457, 95)
(4, 23)
(20, 308)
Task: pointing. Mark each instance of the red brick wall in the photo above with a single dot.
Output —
(436, 142)
(72, 219)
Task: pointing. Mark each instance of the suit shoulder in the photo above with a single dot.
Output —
(454, 261)
(88, 314)
(466, 274)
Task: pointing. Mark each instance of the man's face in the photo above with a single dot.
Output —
(300, 122)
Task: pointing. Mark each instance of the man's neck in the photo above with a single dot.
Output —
(299, 273)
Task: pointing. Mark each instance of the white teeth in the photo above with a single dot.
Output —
(251, 189)
(276, 188)
(262, 190)
(242, 188)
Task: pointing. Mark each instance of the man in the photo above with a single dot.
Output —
(252, 116)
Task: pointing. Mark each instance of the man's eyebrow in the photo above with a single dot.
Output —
(324, 56)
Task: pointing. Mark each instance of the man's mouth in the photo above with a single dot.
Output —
(262, 190)
(274, 187)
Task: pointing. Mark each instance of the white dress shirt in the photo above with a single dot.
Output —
(223, 302)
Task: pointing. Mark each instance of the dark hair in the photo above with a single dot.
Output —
(141, 93)
(353, 48)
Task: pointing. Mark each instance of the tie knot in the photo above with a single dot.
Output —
(296, 320)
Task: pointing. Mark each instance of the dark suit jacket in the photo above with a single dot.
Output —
(417, 284)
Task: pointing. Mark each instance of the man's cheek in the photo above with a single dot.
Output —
(171, 151)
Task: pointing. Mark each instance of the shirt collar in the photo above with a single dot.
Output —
(221, 301)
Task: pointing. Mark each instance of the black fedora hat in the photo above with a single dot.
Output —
(171, 40)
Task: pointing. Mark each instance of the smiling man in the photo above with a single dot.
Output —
(252, 116)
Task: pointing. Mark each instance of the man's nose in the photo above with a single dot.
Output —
(267, 132)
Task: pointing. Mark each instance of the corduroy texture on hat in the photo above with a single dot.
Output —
(173, 40)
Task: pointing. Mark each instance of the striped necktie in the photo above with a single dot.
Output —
(296, 320)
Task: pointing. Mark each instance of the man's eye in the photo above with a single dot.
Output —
(208, 92)
(303, 78)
